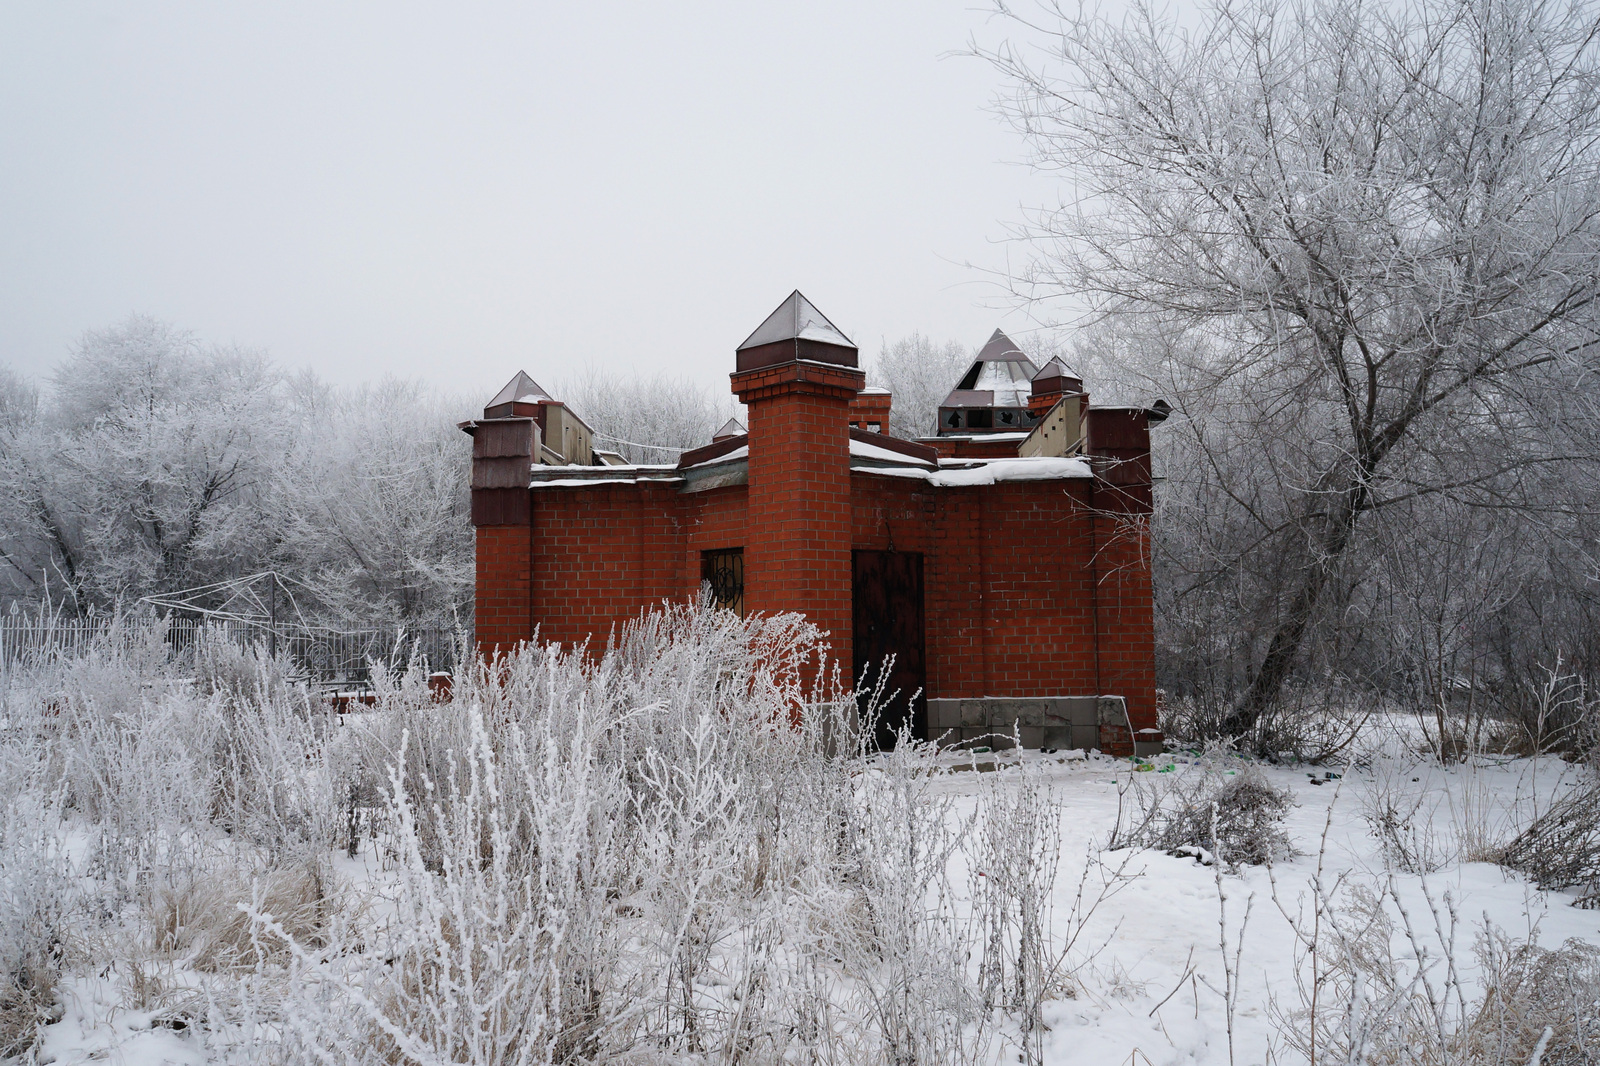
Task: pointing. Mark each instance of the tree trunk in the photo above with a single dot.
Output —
(1290, 634)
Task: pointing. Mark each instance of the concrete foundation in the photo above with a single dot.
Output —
(1060, 722)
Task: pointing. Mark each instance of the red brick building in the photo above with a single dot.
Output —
(1002, 561)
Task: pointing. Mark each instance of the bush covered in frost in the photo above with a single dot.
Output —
(677, 845)
(1233, 818)
(1560, 849)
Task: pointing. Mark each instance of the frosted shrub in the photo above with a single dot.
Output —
(1360, 1001)
(274, 782)
(1531, 990)
(177, 773)
(1560, 849)
(37, 908)
(676, 847)
(193, 795)
(136, 765)
(1399, 809)
(1015, 852)
(201, 920)
(679, 846)
(508, 953)
(1236, 819)
(220, 665)
(1308, 724)
(1380, 984)
(923, 1009)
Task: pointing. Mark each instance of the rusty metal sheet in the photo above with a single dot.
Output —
(495, 440)
(1117, 428)
(511, 473)
(501, 507)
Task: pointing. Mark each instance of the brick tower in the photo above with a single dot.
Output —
(798, 373)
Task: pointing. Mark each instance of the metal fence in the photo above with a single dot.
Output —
(326, 655)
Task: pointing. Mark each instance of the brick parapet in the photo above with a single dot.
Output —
(871, 410)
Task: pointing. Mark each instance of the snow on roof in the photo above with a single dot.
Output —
(588, 482)
(993, 471)
(741, 452)
(1032, 468)
(630, 468)
(1001, 370)
(520, 389)
(1011, 383)
(860, 449)
(992, 438)
(1055, 368)
(562, 477)
(951, 473)
(796, 319)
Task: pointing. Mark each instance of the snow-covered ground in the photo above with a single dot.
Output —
(1148, 968)
(1163, 919)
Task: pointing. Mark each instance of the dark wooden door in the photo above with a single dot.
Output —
(887, 587)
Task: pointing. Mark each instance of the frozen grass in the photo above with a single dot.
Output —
(676, 850)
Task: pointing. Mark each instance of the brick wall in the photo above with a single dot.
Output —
(602, 554)
(1030, 588)
(1125, 599)
(714, 519)
(870, 411)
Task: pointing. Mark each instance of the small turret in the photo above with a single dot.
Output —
(523, 420)
(1052, 382)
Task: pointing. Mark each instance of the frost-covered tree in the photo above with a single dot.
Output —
(919, 374)
(647, 419)
(24, 532)
(1369, 234)
(156, 463)
(373, 501)
(144, 468)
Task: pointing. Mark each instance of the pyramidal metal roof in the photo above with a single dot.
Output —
(1001, 349)
(999, 376)
(520, 389)
(1055, 368)
(731, 428)
(796, 319)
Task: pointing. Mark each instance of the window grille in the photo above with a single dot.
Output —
(723, 570)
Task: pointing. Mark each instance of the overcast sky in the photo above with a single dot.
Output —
(456, 191)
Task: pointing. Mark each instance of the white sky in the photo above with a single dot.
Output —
(456, 191)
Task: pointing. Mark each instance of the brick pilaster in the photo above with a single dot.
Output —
(503, 615)
(797, 541)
